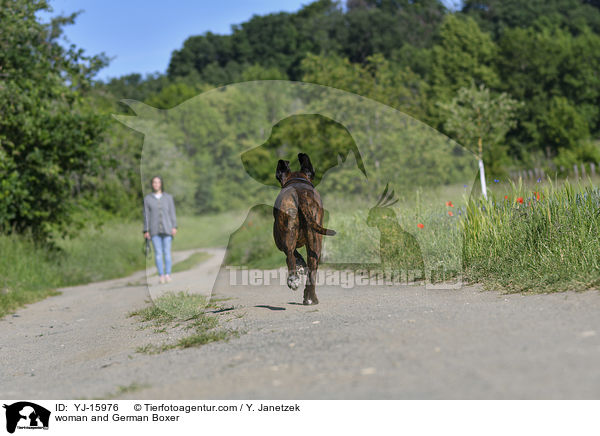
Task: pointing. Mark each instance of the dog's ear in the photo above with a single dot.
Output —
(283, 167)
(305, 165)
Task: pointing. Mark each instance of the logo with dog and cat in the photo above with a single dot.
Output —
(24, 415)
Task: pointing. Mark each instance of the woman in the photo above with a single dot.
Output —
(160, 225)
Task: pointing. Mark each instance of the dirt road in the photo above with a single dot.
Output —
(373, 342)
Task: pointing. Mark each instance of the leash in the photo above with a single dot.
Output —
(147, 247)
(298, 179)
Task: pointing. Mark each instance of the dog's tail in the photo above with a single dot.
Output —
(322, 230)
(313, 224)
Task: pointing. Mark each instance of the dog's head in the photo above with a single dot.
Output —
(283, 173)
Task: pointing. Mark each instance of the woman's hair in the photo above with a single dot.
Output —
(162, 186)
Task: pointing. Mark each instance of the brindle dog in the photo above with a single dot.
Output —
(298, 214)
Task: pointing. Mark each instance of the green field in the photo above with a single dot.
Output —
(29, 272)
(546, 243)
(542, 236)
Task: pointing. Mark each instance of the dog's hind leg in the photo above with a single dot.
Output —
(313, 250)
(301, 266)
(285, 232)
(293, 280)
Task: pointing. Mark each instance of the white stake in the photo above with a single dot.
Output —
(482, 178)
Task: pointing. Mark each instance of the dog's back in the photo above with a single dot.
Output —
(299, 204)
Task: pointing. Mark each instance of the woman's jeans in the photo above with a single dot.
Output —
(162, 245)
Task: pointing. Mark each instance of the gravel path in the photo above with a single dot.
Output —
(370, 342)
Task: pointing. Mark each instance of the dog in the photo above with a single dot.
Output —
(298, 214)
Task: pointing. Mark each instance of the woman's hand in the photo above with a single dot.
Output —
(147, 235)
(174, 231)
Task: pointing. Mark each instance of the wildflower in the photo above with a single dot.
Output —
(520, 200)
(496, 180)
(449, 203)
(464, 186)
(420, 225)
(506, 197)
(537, 195)
(450, 213)
(539, 179)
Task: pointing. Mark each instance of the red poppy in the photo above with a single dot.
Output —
(506, 197)
(449, 203)
(537, 195)
(520, 200)
(450, 213)
(420, 225)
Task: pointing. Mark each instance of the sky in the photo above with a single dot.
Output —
(140, 35)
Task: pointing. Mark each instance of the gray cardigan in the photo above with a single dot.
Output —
(159, 214)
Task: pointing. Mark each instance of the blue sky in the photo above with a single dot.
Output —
(141, 34)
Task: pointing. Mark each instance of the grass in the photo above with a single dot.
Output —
(550, 245)
(541, 245)
(252, 243)
(29, 273)
(121, 390)
(185, 312)
(211, 230)
(173, 306)
(356, 244)
(115, 250)
(540, 238)
(190, 262)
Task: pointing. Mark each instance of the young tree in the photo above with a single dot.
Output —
(476, 118)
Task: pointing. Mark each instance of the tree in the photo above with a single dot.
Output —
(48, 136)
(497, 15)
(132, 86)
(282, 40)
(555, 74)
(476, 118)
(384, 26)
(378, 79)
(462, 53)
(274, 41)
(562, 126)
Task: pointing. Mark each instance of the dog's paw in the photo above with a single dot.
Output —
(301, 270)
(308, 302)
(293, 282)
